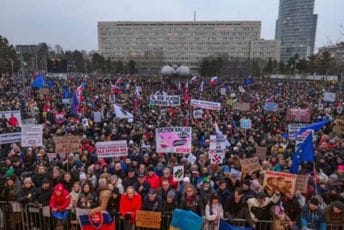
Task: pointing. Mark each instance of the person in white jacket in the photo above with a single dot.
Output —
(213, 213)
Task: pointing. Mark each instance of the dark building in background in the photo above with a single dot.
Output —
(296, 28)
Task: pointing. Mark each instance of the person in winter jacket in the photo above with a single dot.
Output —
(141, 185)
(165, 188)
(152, 202)
(205, 192)
(130, 179)
(167, 175)
(105, 193)
(213, 213)
(152, 179)
(117, 183)
(129, 204)
(74, 194)
(87, 197)
(236, 208)
(113, 206)
(44, 192)
(334, 213)
(59, 202)
(27, 193)
(312, 216)
(170, 202)
(9, 193)
(292, 204)
(191, 201)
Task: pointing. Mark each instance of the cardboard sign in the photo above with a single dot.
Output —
(205, 104)
(178, 173)
(217, 149)
(329, 97)
(250, 165)
(9, 138)
(8, 115)
(236, 173)
(339, 126)
(67, 144)
(44, 91)
(301, 184)
(261, 153)
(164, 100)
(51, 156)
(245, 123)
(192, 158)
(108, 149)
(270, 106)
(241, 106)
(301, 115)
(173, 140)
(278, 181)
(148, 219)
(32, 135)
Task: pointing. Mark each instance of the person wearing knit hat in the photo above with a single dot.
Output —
(312, 216)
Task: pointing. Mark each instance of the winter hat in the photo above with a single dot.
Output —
(171, 194)
(338, 204)
(314, 201)
(27, 180)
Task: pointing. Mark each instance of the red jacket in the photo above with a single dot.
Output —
(130, 206)
(62, 201)
(153, 181)
(173, 184)
(13, 122)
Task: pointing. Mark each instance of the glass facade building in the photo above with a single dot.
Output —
(296, 28)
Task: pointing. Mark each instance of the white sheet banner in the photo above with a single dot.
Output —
(107, 149)
(173, 139)
(205, 104)
(32, 135)
(164, 100)
(329, 97)
(9, 138)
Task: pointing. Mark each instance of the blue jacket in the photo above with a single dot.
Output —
(312, 219)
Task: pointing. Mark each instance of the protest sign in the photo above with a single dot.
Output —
(245, 123)
(278, 181)
(8, 138)
(148, 219)
(223, 91)
(293, 129)
(51, 156)
(339, 126)
(97, 118)
(173, 139)
(217, 149)
(44, 91)
(32, 135)
(301, 184)
(191, 158)
(197, 114)
(30, 121)
(178, 173)
(16, 115)
(205, 104)
(241, 106)
(270, 106)
(236, 173)
(107, 149)
(164, 100)
(329, 97)
(67, 144)
(301, 115)
(249, 165)
(261, 153)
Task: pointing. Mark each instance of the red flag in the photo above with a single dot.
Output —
(186, 95)
(115, 90)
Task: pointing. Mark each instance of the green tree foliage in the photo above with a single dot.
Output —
(132, 67)
(7, 56)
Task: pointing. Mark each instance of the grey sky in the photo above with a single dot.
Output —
(73, 23)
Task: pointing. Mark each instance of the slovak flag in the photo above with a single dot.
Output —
(186, 95)
(97, 221)
(79, 91)
(137, 97)
(77, 99)
(213, 81)
(115, 90)
(201, 88)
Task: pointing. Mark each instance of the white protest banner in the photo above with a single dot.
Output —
(32, 135)
(9, 138)
(173, 140)
(122, 114)
(178, 173)
(107, 149)
(197, 114)
(13, 115)
(217, 149)
(329, 97)
(191, 158)
(205, 104)
(223, 91)
(293, 129)
(30, 121)
(97, 118)
(245, 123)
(164, 100)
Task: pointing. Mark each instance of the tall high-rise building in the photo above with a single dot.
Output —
(296, 28)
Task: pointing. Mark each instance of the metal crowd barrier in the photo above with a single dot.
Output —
(37, 217)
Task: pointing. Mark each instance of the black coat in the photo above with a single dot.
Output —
(43, 196)
(155, 206)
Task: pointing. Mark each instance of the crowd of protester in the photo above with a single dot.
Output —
(144, 180)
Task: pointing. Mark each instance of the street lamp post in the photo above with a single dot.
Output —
(12, 67)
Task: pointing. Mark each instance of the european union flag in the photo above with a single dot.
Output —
(248, 82)
(186, 220)
(304, 153)
(226, 226)
(66, 93)
(315, 126)
(39, 82)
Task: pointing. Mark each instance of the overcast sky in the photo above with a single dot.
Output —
(73, 23)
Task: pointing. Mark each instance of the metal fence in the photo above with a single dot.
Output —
(37, 217)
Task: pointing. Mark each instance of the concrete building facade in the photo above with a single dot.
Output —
(154, 44)
(296, 28)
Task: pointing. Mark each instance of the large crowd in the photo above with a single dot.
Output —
(143, 180)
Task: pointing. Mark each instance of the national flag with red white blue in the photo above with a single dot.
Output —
(97, 221)
(213, 81)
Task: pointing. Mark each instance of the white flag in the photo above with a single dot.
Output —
(122, 114)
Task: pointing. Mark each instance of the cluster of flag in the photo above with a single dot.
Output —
(39, 81)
